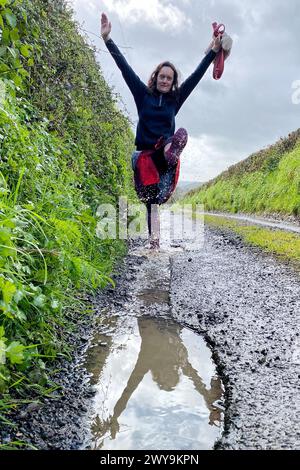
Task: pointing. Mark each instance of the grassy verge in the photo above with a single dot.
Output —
(267, 182)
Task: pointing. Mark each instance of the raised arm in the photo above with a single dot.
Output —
(136, 86)
(192, 81)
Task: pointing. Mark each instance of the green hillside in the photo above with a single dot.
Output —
(266, 182)
(64, 149)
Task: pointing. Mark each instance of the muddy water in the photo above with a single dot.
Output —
(157, 387)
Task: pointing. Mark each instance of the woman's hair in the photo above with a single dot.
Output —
(152, 83)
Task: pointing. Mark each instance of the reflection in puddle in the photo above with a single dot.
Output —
(157, 388)
(154, 296)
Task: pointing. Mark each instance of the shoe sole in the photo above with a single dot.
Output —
(178, 143)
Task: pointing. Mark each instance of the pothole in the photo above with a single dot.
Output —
(156, 387)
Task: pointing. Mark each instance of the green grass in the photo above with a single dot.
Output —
(64, 150)
(17, 445)
(272, 185)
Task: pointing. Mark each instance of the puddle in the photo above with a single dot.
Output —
(156, 295)
(157, 387)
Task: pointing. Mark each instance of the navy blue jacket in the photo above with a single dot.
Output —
(156, 110)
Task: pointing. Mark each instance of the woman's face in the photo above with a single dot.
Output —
(165, 79)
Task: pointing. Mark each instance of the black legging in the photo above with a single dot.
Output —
(153, 219)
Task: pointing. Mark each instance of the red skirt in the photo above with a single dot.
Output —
(153, 185)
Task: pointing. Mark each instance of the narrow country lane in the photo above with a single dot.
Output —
(244, 303)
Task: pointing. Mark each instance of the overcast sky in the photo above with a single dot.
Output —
(257, 100)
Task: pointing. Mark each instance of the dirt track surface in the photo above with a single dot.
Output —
(247, 306)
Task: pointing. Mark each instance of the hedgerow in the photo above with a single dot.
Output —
(64, 149)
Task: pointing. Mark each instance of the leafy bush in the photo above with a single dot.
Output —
(64, 149)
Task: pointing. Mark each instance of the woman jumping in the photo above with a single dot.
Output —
(156, 161)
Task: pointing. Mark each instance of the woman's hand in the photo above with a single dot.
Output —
(216, 43)
(105, 27)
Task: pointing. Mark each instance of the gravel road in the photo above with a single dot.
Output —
(244, 302)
